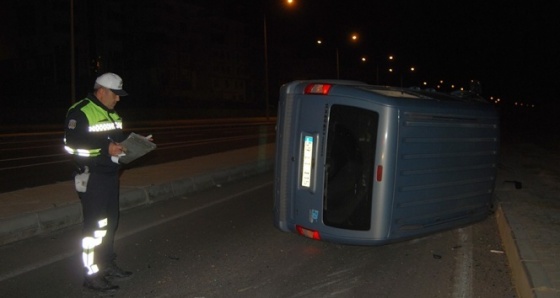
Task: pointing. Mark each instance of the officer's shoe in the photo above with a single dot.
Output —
(114, 271)
(98, 282)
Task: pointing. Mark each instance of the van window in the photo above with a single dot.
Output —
(351, 144)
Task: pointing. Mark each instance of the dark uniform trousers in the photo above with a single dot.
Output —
(100, 207)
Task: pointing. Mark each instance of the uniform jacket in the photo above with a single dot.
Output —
(89, 128)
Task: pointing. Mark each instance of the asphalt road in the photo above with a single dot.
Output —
(221, 243)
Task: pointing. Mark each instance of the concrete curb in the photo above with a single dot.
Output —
(59, 217)
(518, 271)
(528, 275)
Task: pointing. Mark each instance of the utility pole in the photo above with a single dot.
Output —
(266, 83)
(72, 56)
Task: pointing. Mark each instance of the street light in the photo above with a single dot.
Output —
(376, 61)
(400, 69)
(353, 38)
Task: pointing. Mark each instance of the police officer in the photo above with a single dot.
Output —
(93, 130)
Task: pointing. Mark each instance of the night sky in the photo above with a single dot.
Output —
(508, 46)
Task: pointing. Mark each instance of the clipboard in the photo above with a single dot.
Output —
(134, 147)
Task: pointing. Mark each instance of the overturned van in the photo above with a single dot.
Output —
(368, 165)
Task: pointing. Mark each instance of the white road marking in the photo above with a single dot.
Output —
(463, 285)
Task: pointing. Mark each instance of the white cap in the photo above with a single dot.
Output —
(113, 82)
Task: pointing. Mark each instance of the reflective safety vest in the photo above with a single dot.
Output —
(89, 136)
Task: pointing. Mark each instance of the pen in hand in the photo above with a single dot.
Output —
(115, 149)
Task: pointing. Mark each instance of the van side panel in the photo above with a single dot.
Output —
(446, 168)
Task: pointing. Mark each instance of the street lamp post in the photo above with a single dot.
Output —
(266, 80)
(365, 60)
(354, 38)
(401, 73)
(266, 77)
(72, 56)
(400, 70)
(337, 64)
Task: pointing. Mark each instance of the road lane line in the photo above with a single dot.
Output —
(463, 285)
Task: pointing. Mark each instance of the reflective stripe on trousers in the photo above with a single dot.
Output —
(89, 244)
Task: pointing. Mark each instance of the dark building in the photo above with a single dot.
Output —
(171, 54)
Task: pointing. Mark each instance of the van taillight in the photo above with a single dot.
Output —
(308, 233)
(379, 173)
(321, 89)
